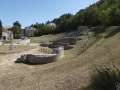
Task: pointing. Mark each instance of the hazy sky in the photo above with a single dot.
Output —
(31, 11)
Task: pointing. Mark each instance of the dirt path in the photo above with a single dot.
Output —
(10, 58)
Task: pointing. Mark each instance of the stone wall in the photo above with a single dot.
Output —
(57, 53)
(38, 59)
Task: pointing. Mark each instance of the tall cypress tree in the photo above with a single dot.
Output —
(1, 27)
(16, 29)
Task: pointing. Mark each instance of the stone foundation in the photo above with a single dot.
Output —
(37, 59)
(58, 53)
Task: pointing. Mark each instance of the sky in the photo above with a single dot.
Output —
(28, 12)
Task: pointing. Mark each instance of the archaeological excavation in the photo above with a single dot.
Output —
(43, 58)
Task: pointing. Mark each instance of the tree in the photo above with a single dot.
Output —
(62, 18)
(1, 27)
(44, 28)
(102, 13)
(16, 29)
(63, 22)
(116, 14)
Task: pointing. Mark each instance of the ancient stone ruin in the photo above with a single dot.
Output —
(57, 53)
(66, 42)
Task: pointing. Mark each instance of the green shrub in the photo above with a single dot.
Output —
(106, 78)
(111, 31)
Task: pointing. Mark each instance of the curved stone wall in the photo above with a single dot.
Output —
(37, 59)
(58, 53)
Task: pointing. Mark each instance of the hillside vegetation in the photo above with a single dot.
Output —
(101, 13)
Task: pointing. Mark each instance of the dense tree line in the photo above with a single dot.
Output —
(102, 13)
(52, 27)
(43, 29)
(1, 27)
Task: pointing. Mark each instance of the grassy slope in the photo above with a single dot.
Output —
(45, 38)
(62, 75)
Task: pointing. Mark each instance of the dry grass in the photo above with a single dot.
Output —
(105, 78)
(72, 73)
(6, 49)
(46, 38)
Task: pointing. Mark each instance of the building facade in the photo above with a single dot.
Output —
(7, 35)
(29, 31)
